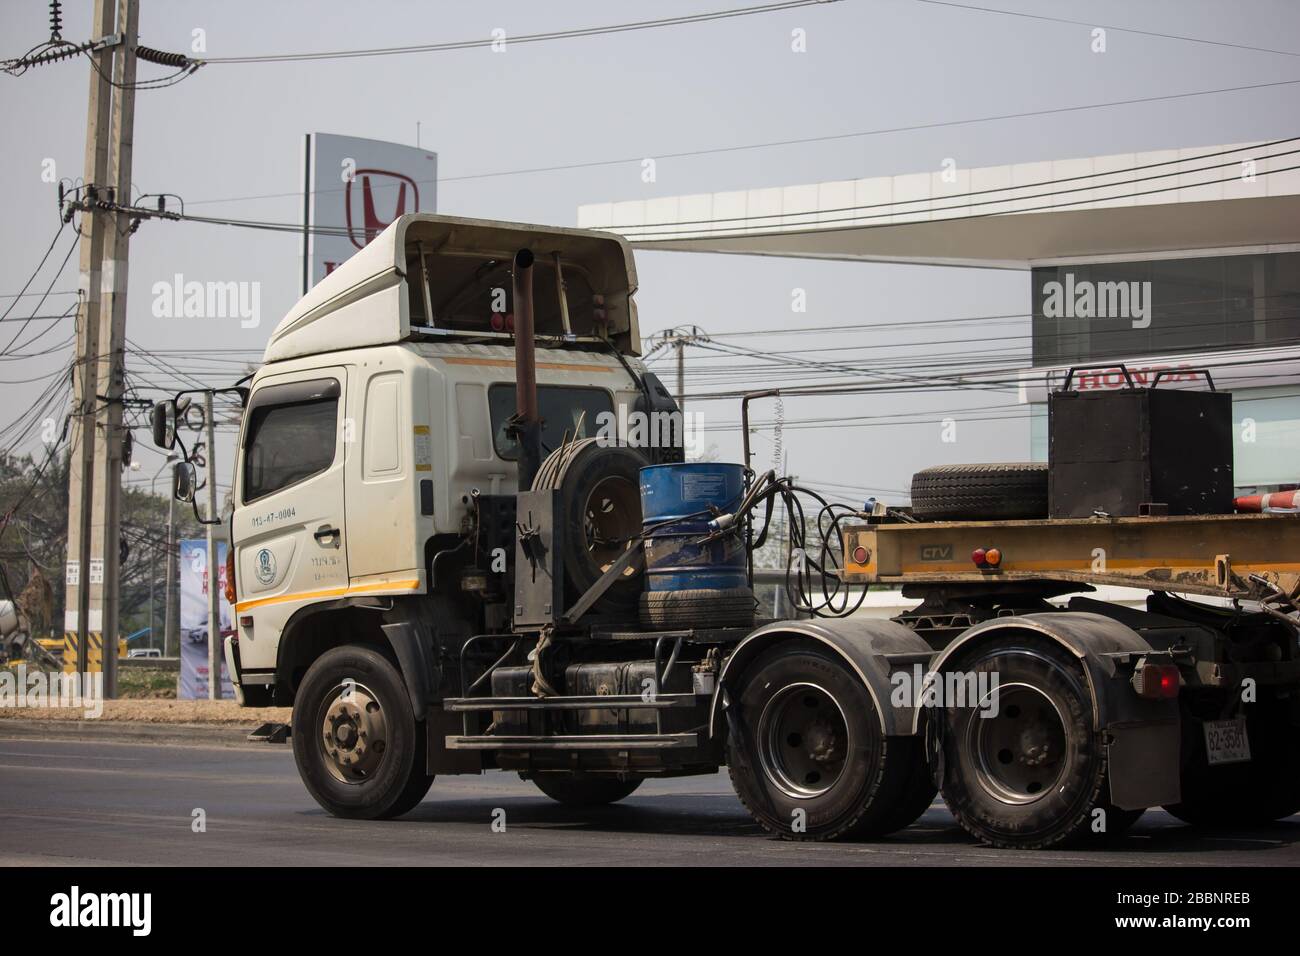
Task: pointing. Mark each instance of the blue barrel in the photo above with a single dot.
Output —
(677, 503)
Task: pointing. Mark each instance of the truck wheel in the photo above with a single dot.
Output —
(600, 493)
(1242, 794)
(359, 749)
(918, 790)
(1031, 773)
(980, 492)
(806, 754)
(698, 607)
(584, 792)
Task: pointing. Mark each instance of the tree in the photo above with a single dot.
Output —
(33, 542)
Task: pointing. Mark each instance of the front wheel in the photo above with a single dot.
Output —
(359, 749)
(806, 752)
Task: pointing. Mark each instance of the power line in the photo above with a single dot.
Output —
(488, 42)
(23, 327)
(1107, 26)
(832, 137)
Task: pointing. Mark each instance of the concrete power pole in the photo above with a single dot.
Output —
(110, 436)
(214, 578)
(171, 613)
(678, 339)
(95, 225)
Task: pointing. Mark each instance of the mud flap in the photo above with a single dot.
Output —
(1143, 763)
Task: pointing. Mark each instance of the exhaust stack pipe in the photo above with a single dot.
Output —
(528, 422)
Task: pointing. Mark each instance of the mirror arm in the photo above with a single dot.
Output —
(194, 504)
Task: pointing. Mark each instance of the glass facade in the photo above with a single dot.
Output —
(1126, 311)
(1116, 310)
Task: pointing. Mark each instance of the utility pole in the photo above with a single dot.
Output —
(680, 346)
(153, 551)
(81, 467)
(677, 339)
(171, 613)
(110, 436)
(214, 579)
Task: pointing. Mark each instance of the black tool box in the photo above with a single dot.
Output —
(1139, 451)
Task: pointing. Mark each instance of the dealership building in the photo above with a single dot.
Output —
(1168, 263)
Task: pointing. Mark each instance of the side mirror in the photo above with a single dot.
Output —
(184, 481)
(164, 424)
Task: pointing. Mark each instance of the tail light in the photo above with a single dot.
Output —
(230, 575)
(1156, 681)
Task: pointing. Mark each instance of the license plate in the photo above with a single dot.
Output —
(1226, 742)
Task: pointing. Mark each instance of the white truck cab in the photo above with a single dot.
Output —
(382, 412)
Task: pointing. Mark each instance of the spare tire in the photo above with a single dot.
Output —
(600, 493)
(980, 492)
(698, 607)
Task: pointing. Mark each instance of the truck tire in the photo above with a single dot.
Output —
(698, 607)
(1033, 774)
(918, 790)
(980, 492)
(805, 751)
(1242, 794)
(600, 493)
(584, 791)
(359, 749)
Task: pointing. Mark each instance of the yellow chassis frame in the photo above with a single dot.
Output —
(1198, 554)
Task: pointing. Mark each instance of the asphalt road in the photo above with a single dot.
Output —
(72, 802)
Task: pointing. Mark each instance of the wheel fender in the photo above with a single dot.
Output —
(415, 658)
(1097, 641)
(865, 645)
(1144, 735)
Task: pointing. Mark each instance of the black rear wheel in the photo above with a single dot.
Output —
(359, 749)
(806, 752)
(1024, 765)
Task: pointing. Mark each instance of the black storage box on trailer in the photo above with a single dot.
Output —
(1118, 450)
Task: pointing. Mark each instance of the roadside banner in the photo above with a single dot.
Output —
(193, 682)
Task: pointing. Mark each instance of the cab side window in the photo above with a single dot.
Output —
(292, 434)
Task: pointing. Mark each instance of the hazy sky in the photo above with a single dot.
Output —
(234, 131)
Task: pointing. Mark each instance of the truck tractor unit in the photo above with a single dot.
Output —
(464, 538)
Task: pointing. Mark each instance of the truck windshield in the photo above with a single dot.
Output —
(563, 409)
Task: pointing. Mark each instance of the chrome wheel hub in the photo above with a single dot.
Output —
(803, 741)
(1020, 754)
(354, 735)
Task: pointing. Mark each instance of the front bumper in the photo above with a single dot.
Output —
(231, 653)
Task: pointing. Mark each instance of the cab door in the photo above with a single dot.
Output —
(288, 524)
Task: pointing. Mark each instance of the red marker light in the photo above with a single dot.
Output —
(1156, 681)
(978, 556)
(860, 555)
